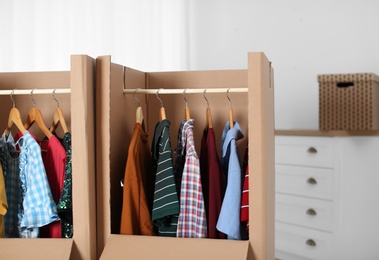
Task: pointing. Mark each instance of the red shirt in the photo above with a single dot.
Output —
(213, 181)
(245, 194)
(54, 160)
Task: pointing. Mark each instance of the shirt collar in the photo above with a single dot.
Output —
(142, 133)
(230, 134)
(157, 134)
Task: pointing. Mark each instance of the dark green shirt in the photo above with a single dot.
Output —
(166, 204)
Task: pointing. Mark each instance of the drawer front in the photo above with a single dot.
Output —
(305, 181)
(292, 242)
(305, 212)
(304, 151)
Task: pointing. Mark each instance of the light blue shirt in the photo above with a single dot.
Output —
(38, 207)
(229, 218)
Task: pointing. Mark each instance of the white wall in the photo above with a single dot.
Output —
(42, 34)
(301, 38)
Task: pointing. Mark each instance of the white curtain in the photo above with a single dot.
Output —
(39, 35)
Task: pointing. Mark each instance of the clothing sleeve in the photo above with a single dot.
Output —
(229, 219)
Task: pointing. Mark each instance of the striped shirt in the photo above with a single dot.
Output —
(165, 204)
(192, 218)
(245, 195)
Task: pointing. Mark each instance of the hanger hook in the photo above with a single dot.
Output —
(31, 96)
(157, 94)
(227, 95)
(205, 90)
(184, 96)
(56, 100)
(14, 104)
(134, 96)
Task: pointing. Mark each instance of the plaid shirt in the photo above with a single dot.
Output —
(192, 218)
(38, 207)
(11, 171)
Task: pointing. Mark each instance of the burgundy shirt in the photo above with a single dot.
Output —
(212, 180)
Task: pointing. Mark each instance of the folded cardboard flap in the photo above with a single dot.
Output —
(38, 248)
(145, 247)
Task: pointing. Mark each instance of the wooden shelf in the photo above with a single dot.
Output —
(328, 133)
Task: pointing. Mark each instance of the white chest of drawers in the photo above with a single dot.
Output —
(327, 197)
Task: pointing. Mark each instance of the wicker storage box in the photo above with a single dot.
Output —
(349, 101)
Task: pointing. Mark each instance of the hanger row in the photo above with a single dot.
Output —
(35, 91)
(186, 91)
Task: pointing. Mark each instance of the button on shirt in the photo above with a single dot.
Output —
(229, 219)
(38, 207)
(192, 218)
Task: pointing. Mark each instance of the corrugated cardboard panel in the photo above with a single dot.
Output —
(143, 247)
(261, 156)
(254, 111)
(41, 249)
(78, 109)
(83, 156)
(115, 118)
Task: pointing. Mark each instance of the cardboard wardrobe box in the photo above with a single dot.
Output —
(115, 120)
(349, 101)
(78, 109)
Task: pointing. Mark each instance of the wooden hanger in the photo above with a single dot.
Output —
(187, 115)
(162, 112)
(231, 118)
(58, 121)
(58, 118)
(208, 113)
(14, 118)
(139, 113)
(34, 115)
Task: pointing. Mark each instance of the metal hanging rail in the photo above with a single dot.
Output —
(185, 90)
(35, 91)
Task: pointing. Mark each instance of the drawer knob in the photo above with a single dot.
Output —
(310, 242)
(311, 212)
(312, 181)
(312, 150)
